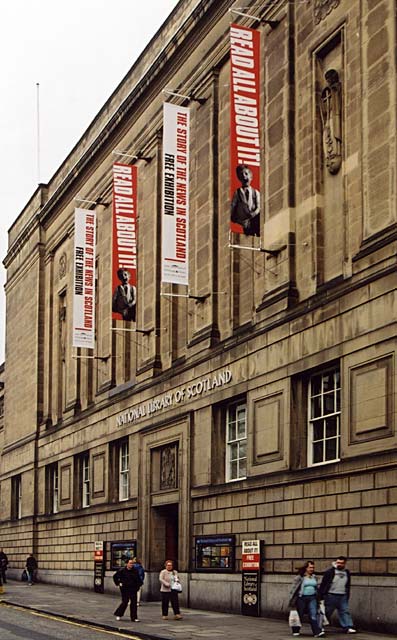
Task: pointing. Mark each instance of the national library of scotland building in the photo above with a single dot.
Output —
(201, 315)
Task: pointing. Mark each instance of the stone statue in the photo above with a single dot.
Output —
(331, 116)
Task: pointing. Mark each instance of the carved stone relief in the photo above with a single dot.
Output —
(168, 467)
(322, 8)
(331, 114)
(62, 266)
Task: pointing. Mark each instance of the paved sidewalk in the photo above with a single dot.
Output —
(94, 608)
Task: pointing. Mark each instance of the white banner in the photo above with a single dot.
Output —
(175, 202)
(84, 279)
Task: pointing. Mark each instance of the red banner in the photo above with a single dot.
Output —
(125, 236)
(244, 130)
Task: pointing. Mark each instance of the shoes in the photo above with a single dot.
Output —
(296, 634)
(118, 618)
(350, 630)
(178, 617)
(165, 617)
(136, 620)
(320, 635)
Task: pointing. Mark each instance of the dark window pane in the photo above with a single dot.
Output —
(243, 468)
(315, 385)
(318, 430)
(232, 413)
(316, 407)
(241, 429)
(331, 426)
(338, 400)
(233, 451)
(329, 403)
(331, 449)
(337, 379)
(328, 381)
(317, 452)
(243, 449)
(232, 432)
(233, 470)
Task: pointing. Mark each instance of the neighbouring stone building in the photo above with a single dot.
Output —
(265, 407)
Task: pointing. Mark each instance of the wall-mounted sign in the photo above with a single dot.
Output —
(177, 396)
(251, 555)
(215, 553)
(99, 566)
(251, 563)
(121, 552)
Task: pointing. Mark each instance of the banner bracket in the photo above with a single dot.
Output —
(145, 332)
(102, 358)
(272, 23)
(271, 252)
(135, 157)
(95, 202)
(199, 299)
(191, 97)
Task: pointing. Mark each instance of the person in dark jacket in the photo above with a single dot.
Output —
(335, 591)
(129, 582)
(31, 569)
(3, 565)
(141, 572)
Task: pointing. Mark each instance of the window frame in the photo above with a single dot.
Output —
(123, 473)
(324, 416)
(16, 497)
(231, 442)
(85, 481)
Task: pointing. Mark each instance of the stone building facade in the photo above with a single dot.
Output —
(263, 407)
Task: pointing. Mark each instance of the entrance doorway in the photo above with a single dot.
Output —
(164, 538)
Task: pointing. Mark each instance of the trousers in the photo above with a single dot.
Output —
(166, 598)
(308, 604)
(334, 601)
(127, 595)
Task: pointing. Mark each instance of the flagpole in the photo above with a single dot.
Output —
(38, 129)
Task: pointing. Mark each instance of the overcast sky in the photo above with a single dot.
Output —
(78, 51)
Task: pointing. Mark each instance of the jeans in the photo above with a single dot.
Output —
(309, 604)
(333, 601)
(32, 575)
(166, 596)
(127, 595)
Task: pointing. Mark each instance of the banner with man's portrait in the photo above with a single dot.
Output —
(84, 279)
(124, 244)
(245, 156)
(175, 205)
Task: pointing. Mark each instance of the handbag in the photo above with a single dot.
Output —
(175, 584)
(294, 619)
(322, 619)
(24, 576)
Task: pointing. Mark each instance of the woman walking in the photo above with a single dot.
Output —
(304, 597)
(169, 589)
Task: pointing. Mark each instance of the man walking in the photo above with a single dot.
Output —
(129, 582)
(335, 591)
(3, 565)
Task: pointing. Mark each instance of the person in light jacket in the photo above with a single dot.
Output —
(168, 577)
(303, 597)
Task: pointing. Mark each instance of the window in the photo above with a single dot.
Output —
(52, 491)
(124, 472)
(324, 417)
(85, 476)
(215, 553)
(16, 498)
(236, 442)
